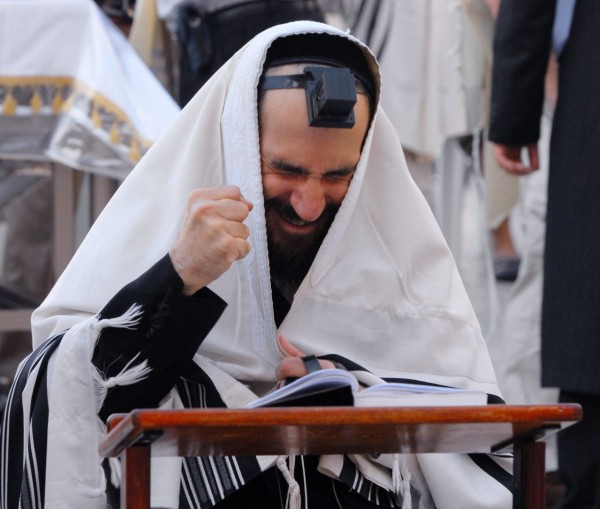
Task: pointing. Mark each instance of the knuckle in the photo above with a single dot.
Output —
(204, 206)
(233, 191)
(198, 194)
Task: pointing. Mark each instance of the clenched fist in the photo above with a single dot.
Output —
(212, 236)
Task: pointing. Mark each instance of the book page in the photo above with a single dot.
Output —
(318, 382)
(406, 394)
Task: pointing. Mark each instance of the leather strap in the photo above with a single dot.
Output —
(311, 363)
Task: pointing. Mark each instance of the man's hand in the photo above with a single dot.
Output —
(212, 236)
(292, 365)
(509, 158)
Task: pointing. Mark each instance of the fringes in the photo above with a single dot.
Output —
(127, 320)
(396, 475)
(100, 389)
(406, 494)
(127, 376)
(401, 480)
(294, 498)
(115, 472)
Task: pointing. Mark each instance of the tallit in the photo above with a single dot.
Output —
(383, 290)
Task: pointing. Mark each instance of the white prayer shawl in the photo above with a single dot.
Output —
(383, 290)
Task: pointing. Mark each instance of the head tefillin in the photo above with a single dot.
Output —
(330, 94)
(331, 90)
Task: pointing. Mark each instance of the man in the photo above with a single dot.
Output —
(570, 324)
(302, 234)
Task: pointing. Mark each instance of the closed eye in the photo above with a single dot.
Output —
(344, 175)
(290, 171)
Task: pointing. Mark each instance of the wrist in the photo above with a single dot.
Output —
(191, 283)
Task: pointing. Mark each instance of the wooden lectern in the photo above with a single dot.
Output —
(337, 430)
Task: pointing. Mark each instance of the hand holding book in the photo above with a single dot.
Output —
(294, 363)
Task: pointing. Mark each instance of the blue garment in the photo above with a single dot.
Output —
(562, 24)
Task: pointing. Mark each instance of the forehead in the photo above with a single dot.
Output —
(288, 106)
(285, 133)
(298, 69)
(282, 106)
(285, 111)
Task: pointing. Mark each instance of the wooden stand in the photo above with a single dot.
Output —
(337, 430)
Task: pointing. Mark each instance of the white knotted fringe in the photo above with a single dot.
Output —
(128, 375)
(401, 480)
(294, 498)
(116, 473)
(127, 320)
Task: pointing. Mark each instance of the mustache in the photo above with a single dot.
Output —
(285, 209)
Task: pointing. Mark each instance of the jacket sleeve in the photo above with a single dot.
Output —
(522, 42)
(168, 335)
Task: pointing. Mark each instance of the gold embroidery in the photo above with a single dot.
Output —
(114, 134)
(134, 151)
(57, 102)
(96, 120)
(10, 105)
(36, 101)
(68, 93)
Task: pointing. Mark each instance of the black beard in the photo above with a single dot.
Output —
(291, 257)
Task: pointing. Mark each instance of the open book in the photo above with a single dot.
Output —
(336, 387)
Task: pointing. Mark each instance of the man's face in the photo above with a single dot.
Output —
(306, 173)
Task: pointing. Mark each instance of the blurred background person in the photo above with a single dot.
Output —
(570, 325)
(438, 101)
(187, 41)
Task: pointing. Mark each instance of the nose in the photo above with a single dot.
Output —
(308, 199)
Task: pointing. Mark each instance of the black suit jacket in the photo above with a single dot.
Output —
(571, 295)
(522, 43)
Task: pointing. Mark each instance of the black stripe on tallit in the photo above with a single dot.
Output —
(39, 410)
(347, 363)
(15, 483)
(352, 477)
(490, 467)
(207, 481)
(197, 488)
(199, 484)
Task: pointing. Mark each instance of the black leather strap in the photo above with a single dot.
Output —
(311, 363)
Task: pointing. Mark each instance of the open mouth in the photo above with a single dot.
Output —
(294, 225)
(295, 220)
(286, 213)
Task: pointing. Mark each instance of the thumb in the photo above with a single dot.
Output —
(287, 349)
